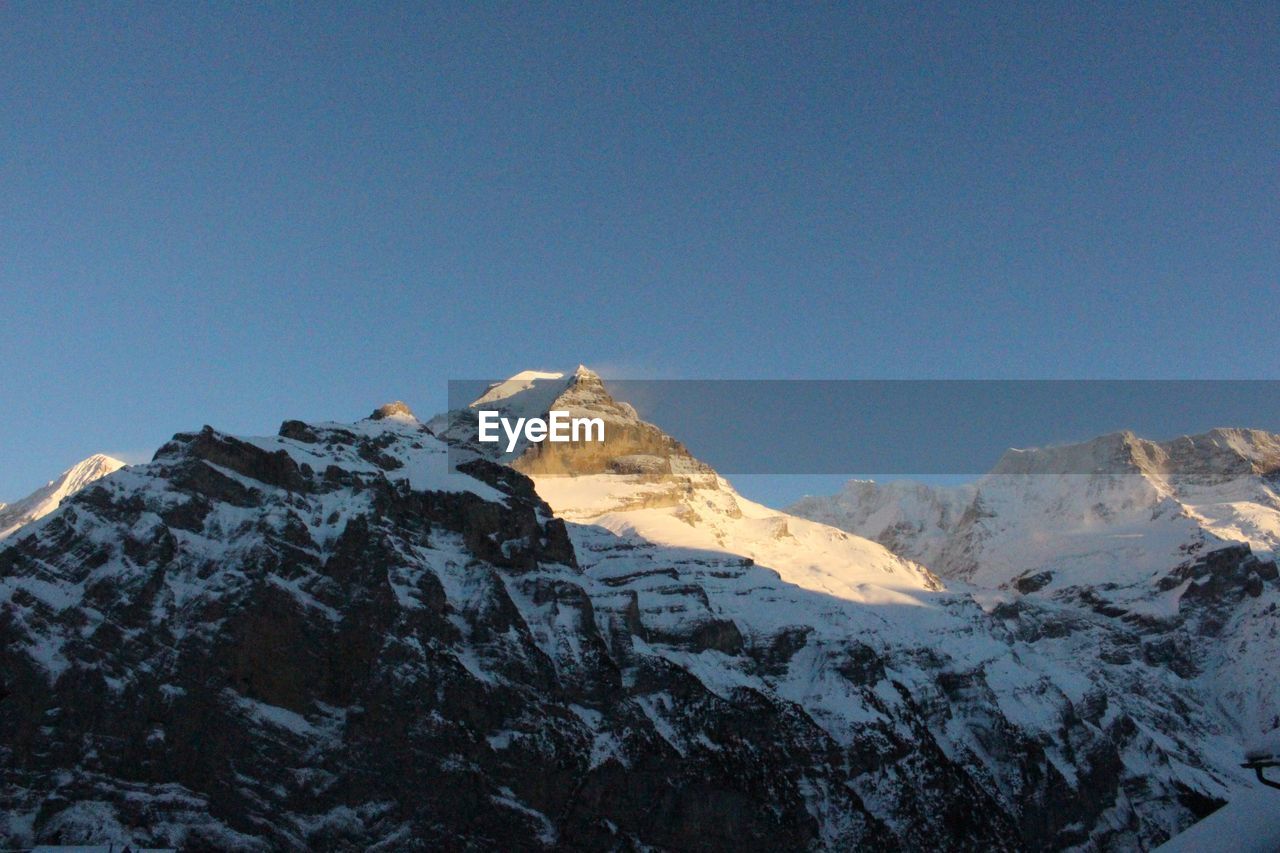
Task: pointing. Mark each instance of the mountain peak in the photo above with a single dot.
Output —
(396, 410)
(1114, 452)
(46, 499)
(533, 394)
(86, 471)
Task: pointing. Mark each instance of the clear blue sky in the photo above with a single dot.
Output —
(237, 214)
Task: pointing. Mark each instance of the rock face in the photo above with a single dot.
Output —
(343, 637)
(630, 443)
(46, 499)
(397, 409)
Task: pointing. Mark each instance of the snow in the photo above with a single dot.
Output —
(546, 829)
(294, 588)
(763, 605)
(502, 739)
(712, 517)
(683, 551)
(529, 393)
(326, 725)
(652, 706)
(49, 497)
(424, 460)
(283, 718)
(1248, 823)
(1118, 510)
(1264, 748)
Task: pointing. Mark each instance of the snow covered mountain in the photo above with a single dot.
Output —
(46, 499)
(1177, 536)
(1118, 510)
(646, 488)
(377, 636)
(644, 483)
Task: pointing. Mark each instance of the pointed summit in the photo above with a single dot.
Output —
(629, 443)
(46, 499)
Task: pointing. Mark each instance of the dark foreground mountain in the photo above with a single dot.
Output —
(331, 639)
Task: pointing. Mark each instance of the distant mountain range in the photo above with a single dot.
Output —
(1113, 510)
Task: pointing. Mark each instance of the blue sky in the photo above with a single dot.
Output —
(240, 214)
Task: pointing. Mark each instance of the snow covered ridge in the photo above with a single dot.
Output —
(373, 635)
(46, 499)
(1125, 572)
(1144, 508)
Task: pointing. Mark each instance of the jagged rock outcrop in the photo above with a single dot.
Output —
(1218, 574)
(396, 409)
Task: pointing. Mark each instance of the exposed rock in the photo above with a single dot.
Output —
(275, 468)
(396, 409)
(1032, 582)
(1222, 572)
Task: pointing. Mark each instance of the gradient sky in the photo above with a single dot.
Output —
(240, 214)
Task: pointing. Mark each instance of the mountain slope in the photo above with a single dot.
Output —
(306, 641)
(1117, 510)
(1178, 536)
(369, 636)
(659, 496)
(643, 482)
(46, 499)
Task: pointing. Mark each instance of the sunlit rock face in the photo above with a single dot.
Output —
(642, 481)
(630, 445)
(397, 410)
